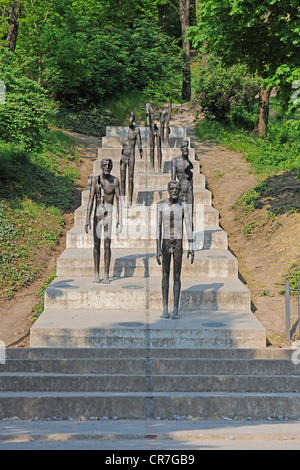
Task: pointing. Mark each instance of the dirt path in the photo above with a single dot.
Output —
(269, 252)
(262, 257)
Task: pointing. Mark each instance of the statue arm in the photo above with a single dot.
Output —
(187, 214)
(158, 233)
(90, 204)
(139, 143)
(119, 206)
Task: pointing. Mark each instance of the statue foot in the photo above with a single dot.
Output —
(165, 315)
(105, 280)
(96, 280)
(175, 316)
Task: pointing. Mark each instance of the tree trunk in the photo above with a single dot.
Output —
(184, 11)
(263, 112)
(12, 34)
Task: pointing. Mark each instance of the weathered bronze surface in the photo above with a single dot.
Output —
(165, 123)
(104, 188)
(172, 213)
(128, 158)
(154, 136)
(182, 170)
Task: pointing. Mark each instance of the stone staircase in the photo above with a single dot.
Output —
(215, 305)
(103, 350)
(151, 383)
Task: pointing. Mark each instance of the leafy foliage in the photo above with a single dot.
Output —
(219, 90)
(91, 54)
(35, 188)
(264, 35)
(24, 115)
(279, 150)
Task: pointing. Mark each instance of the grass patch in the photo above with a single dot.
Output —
(278, 150)
(41, 294)
(84, 119)
(249, 201)
(292, 276)
(35, 189)
(121, 107)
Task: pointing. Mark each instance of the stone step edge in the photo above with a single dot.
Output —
(268, 353)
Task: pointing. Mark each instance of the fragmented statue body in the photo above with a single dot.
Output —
(171, 214)
(127, 161)
(104, 188)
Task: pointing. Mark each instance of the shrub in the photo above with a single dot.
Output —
(221, 91)
(24, 115)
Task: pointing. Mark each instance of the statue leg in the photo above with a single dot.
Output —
(162, 132)
(107, 248)
(123, 178)
(151, 145)
(107, 258)
(130, 180)
(96, 252)
(159, 153)
(166, 260)
(176, 277)
(190, 201)
(168, 135)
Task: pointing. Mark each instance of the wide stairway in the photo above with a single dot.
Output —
(104, 350)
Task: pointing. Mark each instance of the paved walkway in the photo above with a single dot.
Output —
(152, 435)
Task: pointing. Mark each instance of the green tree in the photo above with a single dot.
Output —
(11, 12)
(263, 34)
(184, 13)
(24, 115)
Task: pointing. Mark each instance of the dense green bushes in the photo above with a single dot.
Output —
(80, 63)
(278, 150)
(225, 93)
(24, 115)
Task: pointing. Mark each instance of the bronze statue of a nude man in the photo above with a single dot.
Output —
(110, 187)
(154, 134)
(165, 118)
(170, 216)
(182, 171)
(128, 158)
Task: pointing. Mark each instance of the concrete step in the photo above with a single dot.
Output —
(249, 354)
(141, 263)
(144, 329)
(122, 131)
(209, 216)
(168, 153)
(148, 196)
(174, 142)
(141, 405)
(210, 238)
(141, 165)
(160, 181)
(157, 182)
(103, 382)
(140, 293)
(160, 367)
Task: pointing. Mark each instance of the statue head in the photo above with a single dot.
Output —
(106, 165)
(184, 148)
(174, 188)
(131, 118)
